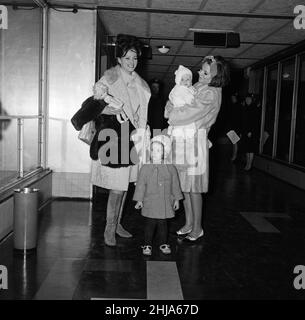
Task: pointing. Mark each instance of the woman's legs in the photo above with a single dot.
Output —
(235, 150)
(113, 209)
(196, 200)
(188, 213)
(120, 230)
(250, 157)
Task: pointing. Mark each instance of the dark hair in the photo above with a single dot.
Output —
(126, 42)
(222, 78)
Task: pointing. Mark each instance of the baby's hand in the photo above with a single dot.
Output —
(176, 205)
(139, 205)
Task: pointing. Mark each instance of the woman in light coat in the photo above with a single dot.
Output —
(214, 74)
(127, 95)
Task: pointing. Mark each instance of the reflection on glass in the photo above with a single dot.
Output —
(19, 89)
(285, 110)
(270, 110)
(259, 87)
(299, 144)
(30, 145)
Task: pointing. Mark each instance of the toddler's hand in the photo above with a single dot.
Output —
(139, 205)
(176, 205)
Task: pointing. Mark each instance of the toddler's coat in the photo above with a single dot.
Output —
(158, 186)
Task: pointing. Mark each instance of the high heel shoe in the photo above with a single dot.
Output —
(183, 232)
(192, 239)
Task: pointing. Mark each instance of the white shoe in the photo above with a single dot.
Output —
(183, 231)
(146, 250)
(191, 238)
(165, 249)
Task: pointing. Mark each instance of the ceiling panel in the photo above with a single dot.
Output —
(262, 51)
(164, 59)
(187, 61)
(218, 23)
(176, 4)
(231, 6)
(71, 2)
(169, 25)
(258, 28)
(124, 22)
(279, 6)
(188, 48)
(288, 34)
(122, 3)
(232, 52)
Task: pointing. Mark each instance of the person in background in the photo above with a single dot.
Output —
(234, 121)
(156, 105)
(249, 129)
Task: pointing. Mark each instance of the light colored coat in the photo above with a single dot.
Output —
(203, 112)
(119, 178)
(158, 187)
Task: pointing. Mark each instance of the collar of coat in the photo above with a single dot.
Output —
(112, 75)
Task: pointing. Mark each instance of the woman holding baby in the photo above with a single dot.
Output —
(191, 111)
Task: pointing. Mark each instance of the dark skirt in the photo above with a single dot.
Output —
(249, 145)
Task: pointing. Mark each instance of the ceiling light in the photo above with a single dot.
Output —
(163, 49)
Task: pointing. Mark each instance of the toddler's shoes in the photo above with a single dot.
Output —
(165, 249)
(146, 250)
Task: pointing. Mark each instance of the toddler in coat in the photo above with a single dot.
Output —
(157, 193)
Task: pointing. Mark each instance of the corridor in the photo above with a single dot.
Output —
(254, 237)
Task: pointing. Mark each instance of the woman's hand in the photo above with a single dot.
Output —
(168, 109)
(176, 205)
(110, 110)
(139, 205)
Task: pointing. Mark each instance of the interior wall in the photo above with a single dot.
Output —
(19, 80)
(71, 78)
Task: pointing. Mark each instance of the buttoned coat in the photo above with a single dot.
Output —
(158, 187)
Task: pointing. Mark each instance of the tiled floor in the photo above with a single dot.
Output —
(255, 236)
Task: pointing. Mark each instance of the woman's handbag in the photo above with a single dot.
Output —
(87, 132)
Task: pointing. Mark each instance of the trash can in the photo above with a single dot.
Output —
(25, 219)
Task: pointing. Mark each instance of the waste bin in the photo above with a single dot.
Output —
(25, 219)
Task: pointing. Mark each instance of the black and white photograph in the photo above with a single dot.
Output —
(152, 153)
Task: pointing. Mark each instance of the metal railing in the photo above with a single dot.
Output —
(20, 139)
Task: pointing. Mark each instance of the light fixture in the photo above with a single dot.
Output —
(163, 49)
